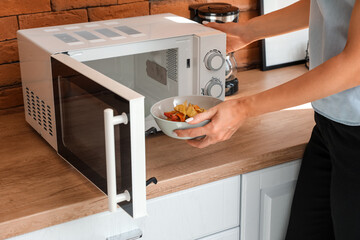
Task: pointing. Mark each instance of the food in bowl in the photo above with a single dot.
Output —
(168, 104)
(183, 111)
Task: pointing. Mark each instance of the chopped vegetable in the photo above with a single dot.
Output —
(183, 111)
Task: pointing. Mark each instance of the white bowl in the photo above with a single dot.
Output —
(168, 104)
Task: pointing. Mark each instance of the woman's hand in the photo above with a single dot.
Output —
(225, 117)
(237, 36)
(291, 18)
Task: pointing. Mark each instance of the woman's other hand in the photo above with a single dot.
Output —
(237, 36)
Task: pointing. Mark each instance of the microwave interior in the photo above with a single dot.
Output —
(152, 74)
(150, 68)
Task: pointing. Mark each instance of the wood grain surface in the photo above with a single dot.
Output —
(40, 189)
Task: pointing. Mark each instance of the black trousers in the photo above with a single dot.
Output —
(326, 202)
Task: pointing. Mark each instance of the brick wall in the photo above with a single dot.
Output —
(22, 14)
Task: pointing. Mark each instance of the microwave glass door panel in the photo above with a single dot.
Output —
(80, 103)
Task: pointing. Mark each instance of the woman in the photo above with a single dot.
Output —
(326, 203)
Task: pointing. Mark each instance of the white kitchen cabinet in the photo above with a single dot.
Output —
(266, 201)
(212, 211)
(190, 214)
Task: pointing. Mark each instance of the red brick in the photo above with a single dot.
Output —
(52, 18)
(130, 1)
(72, 4)
(15, 7)
(9, 74)
(119, 11)
(9, 51)
(177, 7)
(11, 97)
(8, 28)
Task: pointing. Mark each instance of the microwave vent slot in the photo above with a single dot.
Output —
(172, 64)
(39, 111)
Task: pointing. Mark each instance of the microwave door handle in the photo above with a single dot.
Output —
(110, 121)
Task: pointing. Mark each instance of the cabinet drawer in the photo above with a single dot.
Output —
(195, 212)
(188, 214)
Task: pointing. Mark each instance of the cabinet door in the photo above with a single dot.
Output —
(266, 201)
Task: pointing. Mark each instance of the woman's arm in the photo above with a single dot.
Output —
(335, 75)
(288, 19)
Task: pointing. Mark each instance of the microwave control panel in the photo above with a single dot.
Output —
(212, 53)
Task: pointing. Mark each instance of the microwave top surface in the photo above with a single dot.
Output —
(62, 38)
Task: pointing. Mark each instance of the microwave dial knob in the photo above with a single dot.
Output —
(214, 60)
(214, 88)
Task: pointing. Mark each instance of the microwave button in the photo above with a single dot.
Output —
(214, 60)
(214, 88)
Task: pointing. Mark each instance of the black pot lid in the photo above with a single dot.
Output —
(218, 9)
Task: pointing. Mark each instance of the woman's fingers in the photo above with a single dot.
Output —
(225, 117)
(200, 131)
(207, 115)
(192, 132)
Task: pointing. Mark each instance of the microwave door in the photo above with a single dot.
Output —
(100, 131)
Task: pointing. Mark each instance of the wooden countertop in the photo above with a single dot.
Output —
(39, 189)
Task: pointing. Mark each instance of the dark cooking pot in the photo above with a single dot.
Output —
(214, 12)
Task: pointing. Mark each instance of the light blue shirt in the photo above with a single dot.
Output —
(329, 24)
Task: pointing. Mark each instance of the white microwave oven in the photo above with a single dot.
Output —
(76, 77)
